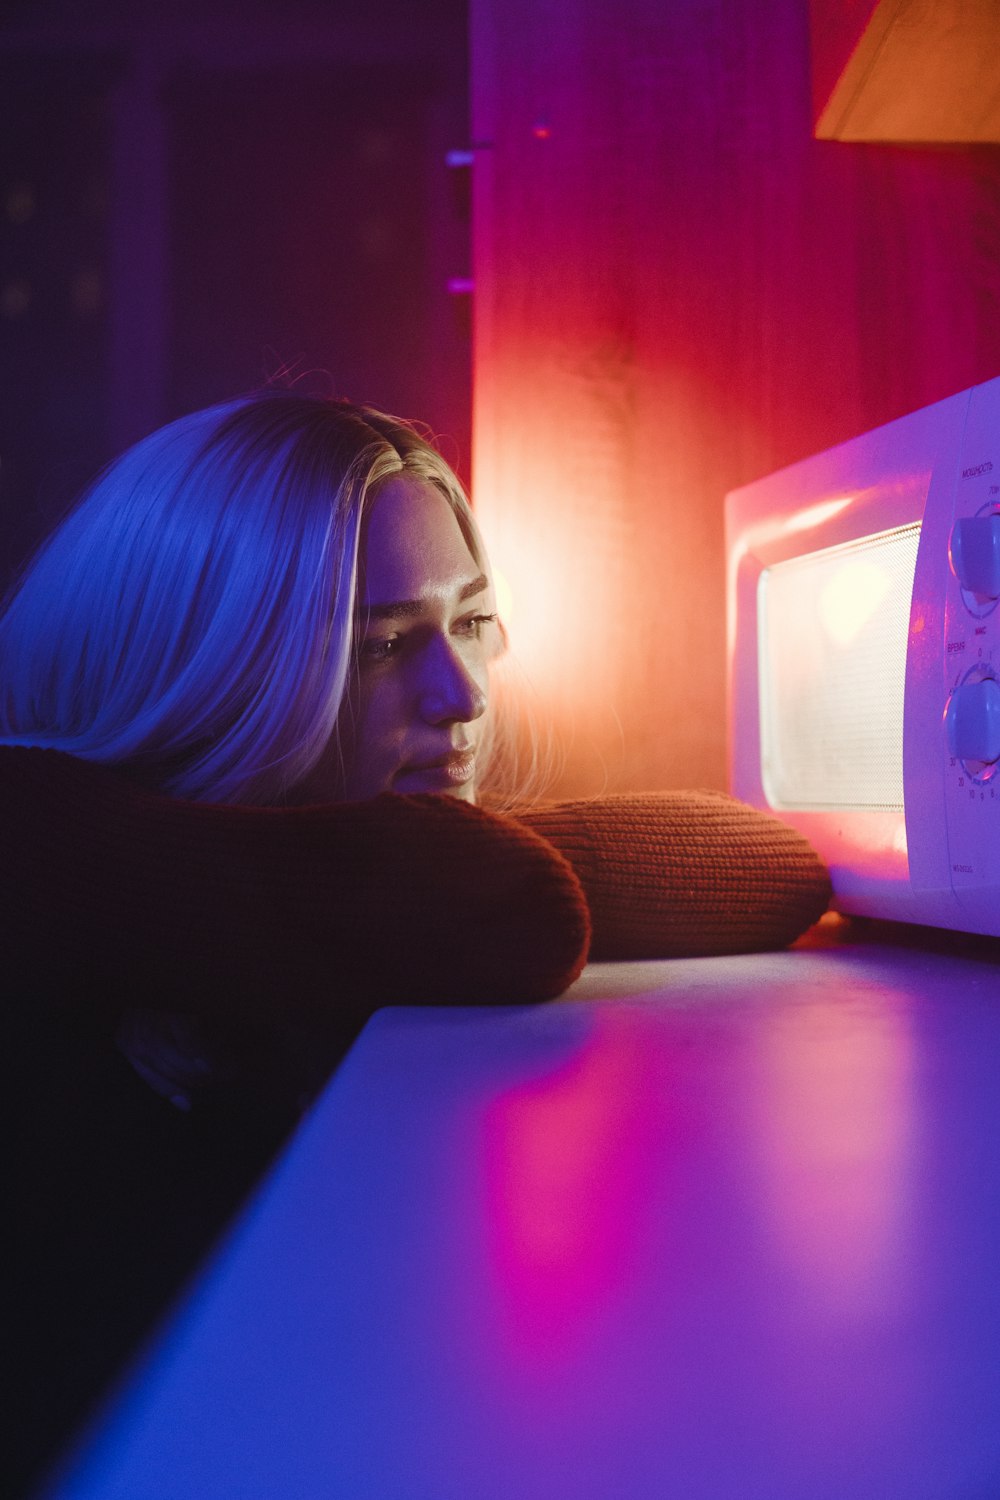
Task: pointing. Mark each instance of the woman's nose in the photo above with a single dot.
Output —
(449, 693)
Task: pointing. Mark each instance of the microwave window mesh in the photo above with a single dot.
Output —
(833, 634)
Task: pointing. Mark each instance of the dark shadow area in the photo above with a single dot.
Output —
(117, 1198)
(196, 200)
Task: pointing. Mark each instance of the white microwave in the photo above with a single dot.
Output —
(864, 660)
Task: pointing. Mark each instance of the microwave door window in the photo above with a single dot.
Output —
(833, 629)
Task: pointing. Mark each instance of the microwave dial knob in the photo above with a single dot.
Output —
(975, 555)
(974, 721)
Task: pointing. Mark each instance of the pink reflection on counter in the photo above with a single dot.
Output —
(706, 1208)
(567, 1164)
(831, 1140)
(831, 1153)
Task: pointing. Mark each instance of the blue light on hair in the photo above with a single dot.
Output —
(192, 617)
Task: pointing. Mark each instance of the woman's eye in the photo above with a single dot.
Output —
(474, 625)
(380, 648)
(383, 648)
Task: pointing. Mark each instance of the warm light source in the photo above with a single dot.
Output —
(850, 597)
(504, 597)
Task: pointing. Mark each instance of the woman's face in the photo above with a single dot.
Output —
(424, 633)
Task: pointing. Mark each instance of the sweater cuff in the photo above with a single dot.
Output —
(685, 874)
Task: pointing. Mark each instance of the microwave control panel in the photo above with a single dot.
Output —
(971, 717)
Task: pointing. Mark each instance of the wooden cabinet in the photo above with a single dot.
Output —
(906, 70)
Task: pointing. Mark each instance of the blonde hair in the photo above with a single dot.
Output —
(192, 618)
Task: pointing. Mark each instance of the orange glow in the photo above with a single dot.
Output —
(612, 559)
(504, 597)
(558, 594)
(542, 599)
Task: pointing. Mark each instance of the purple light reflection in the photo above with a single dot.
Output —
(731, 1235)
(829, 1144)
(700, 1210)
(567, 1162)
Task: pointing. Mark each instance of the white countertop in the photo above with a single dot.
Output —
(705, 1228)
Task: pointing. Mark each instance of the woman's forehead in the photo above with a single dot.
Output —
(412, 545)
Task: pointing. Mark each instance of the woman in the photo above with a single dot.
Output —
(259, 621)
(193, 618)
(277, 601)
(284, 603)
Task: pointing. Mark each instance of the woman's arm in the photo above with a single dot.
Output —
(673, 874)
(115, 897)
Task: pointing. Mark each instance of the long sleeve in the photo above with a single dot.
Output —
(123, 897)
(674, 874)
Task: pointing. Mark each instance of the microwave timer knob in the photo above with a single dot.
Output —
(975, 554)
(973, 719)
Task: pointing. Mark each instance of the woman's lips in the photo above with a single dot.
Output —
(445, 774)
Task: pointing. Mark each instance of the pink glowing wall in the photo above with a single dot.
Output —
(678, 290)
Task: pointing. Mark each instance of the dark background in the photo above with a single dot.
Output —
(196, 198)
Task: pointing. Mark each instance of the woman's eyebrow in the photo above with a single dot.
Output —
(404, 608)
(475, 587)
